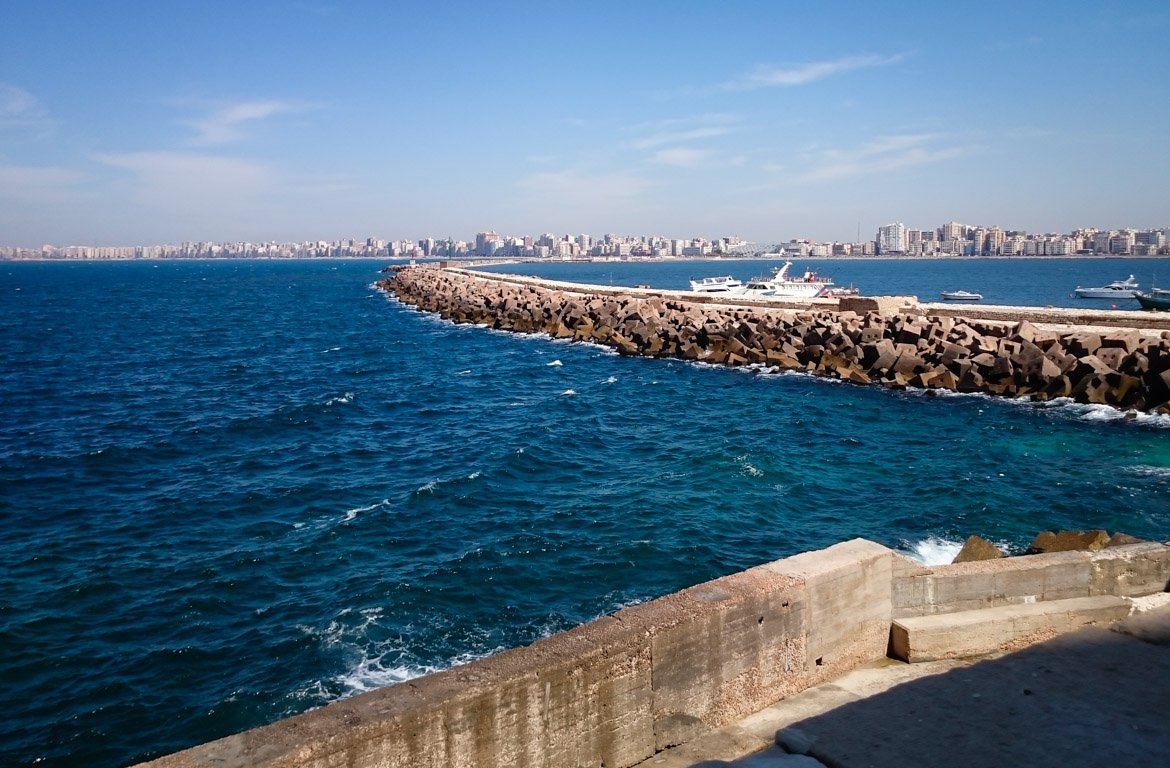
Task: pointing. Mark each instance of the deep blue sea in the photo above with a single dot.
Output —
(232, 491)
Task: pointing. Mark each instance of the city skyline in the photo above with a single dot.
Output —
(950, 239)
(288, 123)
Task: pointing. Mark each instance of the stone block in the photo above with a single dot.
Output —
(1132, 569)
(977, 548)
(972, 633)
(1067, 541)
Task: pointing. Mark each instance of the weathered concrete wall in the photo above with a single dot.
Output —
(1127, 571)
(887, 341)
(616, 690)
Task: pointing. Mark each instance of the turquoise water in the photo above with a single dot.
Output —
(233, 491)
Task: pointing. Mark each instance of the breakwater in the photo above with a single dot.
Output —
(891, 341)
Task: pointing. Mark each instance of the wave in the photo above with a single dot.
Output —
(1147, 470)
(933, 550)
(555, 364)
(372, 663)
(569, 392)
(341, 399)
(350, 514)
(431, 485)
(1098, 413)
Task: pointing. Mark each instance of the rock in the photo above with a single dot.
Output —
(1068, 541)
(1121, 539)
(977, 548)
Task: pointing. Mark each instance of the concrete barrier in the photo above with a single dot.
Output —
(616, 690)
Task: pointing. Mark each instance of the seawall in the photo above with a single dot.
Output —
(1043, 353)
(617, 690)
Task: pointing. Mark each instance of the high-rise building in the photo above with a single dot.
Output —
(892, 238)
(953, 230)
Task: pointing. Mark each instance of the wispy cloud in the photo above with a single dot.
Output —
(38, 183)
(678, 137)
(802, 74)
(20, 111)
(572, 183)
(181, 180)
(228, 124)
(680, 157)
(882, 154)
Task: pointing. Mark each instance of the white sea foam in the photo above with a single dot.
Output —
(350, 514)
(429, 487)
(934, 551)
(555, 364)
(331, 349)
(380, 667)
(1147, 470)
(569, 392)
(463, 373)
(340, 399)
(610, 380)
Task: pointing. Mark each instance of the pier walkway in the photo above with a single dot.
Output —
(1090, 697)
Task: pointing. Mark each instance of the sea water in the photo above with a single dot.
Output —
(233, 491)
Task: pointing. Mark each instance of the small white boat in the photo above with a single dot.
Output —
(780, 286)
(961, 296)
(721, 284)
(1118, 289)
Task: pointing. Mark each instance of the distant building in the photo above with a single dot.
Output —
(892, 238)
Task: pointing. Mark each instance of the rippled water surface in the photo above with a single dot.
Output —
(233, 491)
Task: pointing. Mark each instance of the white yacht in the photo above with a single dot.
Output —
(721, 284)
(1118, 289)
(961, 296)
(781, 286)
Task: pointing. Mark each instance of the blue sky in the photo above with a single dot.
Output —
(127, 123)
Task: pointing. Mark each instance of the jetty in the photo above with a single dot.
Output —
(1120, 359)
(844, 657)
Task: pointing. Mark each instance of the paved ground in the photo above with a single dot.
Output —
(1090, 697)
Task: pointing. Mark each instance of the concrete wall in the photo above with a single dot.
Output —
(1128, 571)
(614, 691)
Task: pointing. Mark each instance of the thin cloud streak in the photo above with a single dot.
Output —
(228, 124)
(680, 157)
(882, 154)
(676, 137)
(777, 77)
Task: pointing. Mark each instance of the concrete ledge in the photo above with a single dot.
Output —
(971, 633)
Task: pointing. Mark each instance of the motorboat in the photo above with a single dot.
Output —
(1118, 289)
(780, 285)
(721, 284)
(961, 296)
(1157, 298)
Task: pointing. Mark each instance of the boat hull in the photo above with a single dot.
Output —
(1105, 293)
(1157, 301)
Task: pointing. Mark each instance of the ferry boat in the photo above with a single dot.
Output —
(961, 296)
(780, 286)
(1118, 289)
(721, 284)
